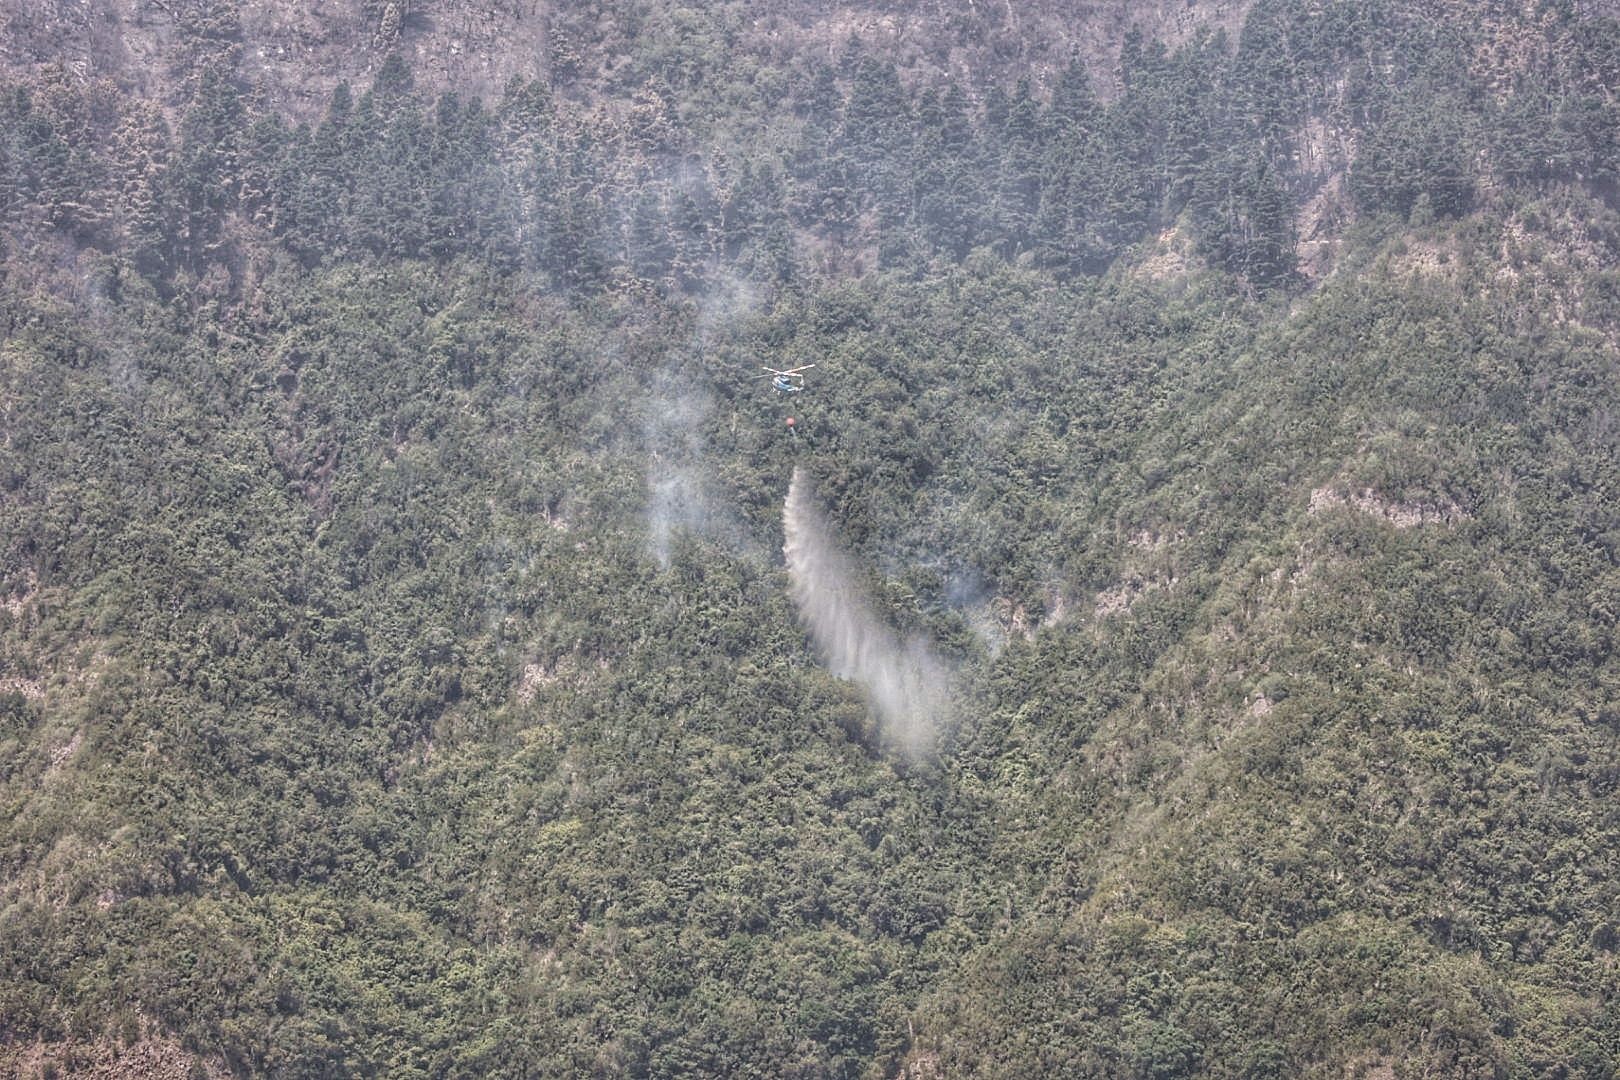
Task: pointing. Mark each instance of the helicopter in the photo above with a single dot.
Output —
(782, 381)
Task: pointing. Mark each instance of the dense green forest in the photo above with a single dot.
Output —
(398, 670)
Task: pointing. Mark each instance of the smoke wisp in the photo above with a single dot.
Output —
(904, 681)
(678, 498)
(682, 496)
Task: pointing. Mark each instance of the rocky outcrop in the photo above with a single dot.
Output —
(296, 52)
(143, 1054)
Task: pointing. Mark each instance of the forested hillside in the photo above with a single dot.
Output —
(400, 674)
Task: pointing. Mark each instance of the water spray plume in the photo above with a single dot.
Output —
(904, 682)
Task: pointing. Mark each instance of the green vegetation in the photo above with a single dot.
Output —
(397, 675)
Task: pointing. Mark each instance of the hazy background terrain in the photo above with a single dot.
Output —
(1176, 637)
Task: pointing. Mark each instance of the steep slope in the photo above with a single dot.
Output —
(1324, 686)
(398, 669)
(1359, 807)
(297, 53)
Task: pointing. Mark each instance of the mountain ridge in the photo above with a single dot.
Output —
(398, 674)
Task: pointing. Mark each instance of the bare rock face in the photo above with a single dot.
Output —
(143, 1054)
(1042, 36)
(296, 51)
(83, 37)
(305, 49)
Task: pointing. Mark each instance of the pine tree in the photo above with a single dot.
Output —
(205, 175)
(877, 137)
(316, 176)
(391, 211)
(72, 181)
(142, 158)
(1245, 220)
(263, 145)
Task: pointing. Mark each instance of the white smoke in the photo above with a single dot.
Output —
(678, 497)
(682, 494)
(904, 682)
